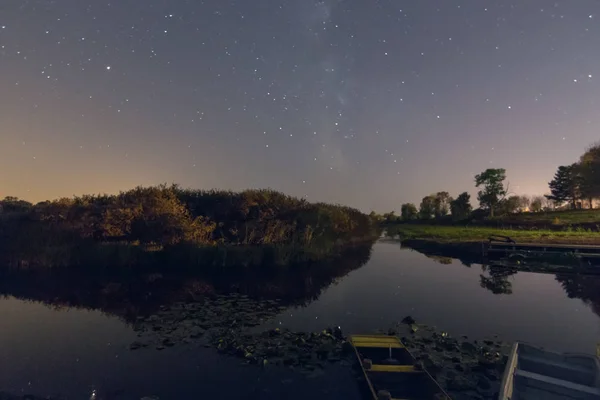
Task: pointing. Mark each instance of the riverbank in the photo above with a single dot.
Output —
(468, 236)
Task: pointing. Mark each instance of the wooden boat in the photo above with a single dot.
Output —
(390, 370)
(533, 373)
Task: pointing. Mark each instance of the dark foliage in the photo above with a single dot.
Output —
(216, 226)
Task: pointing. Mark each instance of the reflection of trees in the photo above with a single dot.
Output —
(496, 280)
(440, 259)
(129, 295)
(586, 288)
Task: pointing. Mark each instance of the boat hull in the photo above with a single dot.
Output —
(391, 371)
(533, 373)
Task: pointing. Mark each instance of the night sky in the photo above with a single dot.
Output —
(362, 102)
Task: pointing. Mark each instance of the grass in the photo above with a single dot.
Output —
(475, 234)
(553, 218)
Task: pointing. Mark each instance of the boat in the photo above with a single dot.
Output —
(391, 371)
(534, 373)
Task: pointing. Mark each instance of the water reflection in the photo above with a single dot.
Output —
(129, 295)
(497, 278)
(586, 288)
(71, 352)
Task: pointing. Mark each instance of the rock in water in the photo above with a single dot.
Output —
(483, 383)
(337, 333)
(459, 383)
(408, 320)
(468, 347)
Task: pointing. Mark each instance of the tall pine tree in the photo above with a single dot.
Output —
(566, 185)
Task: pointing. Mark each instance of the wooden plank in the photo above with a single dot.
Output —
(557, 383)
(507, 385)
(377, 338)
(545, 245)
(394, 368)
(380, 345)
(376, 341)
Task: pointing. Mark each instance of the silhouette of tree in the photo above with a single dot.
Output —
(492, 180)
(460, 207)
(427, 207)
(409, 212)
(566, 185)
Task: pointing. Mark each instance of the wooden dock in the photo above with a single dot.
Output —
(520, 252)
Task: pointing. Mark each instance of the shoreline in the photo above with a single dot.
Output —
(469, 246)
(470, 235)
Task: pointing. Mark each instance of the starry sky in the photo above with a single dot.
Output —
(365, 103)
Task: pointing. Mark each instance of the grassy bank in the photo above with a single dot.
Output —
(566, 220)
(458, 234)
(588, 219)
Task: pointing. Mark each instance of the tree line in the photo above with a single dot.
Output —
(574, 186)
(578, 183)
(169, 215)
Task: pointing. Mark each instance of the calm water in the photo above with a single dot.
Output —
(50, 351)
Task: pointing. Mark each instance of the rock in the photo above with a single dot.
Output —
(408, 320)
(135, 345)
(468, 347)
(413, 328)
(450, 344)
(483, 383)
(347, 348)
(337, 333)
(456, 360)
(459, 383)
(384, 395)
(491, 375)
(431, 366)
(289, 361)
(486, 363)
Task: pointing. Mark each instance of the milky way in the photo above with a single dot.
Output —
(366, 103)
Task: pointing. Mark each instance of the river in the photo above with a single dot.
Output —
(83, 353)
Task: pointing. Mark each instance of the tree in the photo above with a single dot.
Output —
(390, 217)
(14, 204)
(375, 217)
(409, 212)
(537, 203)
(441, 204)
(524, 202)
(492, 180)
(590, 173)
(510, 205)
(461, 206)
(427, 207)
(566, 185)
